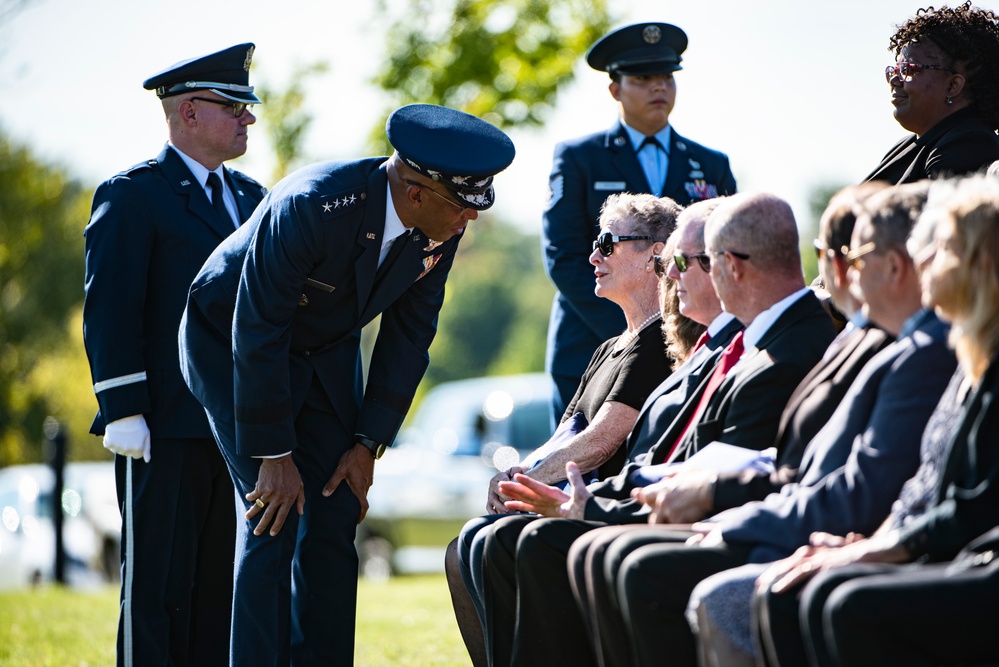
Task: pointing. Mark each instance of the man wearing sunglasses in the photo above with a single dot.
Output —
(151, 229)
(640, 153)
(270, 343)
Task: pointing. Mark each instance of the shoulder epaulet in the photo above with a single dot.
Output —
(148, 164)
(334, 205)
(240, 176)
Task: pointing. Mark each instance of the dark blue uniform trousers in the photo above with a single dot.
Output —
(295, 594)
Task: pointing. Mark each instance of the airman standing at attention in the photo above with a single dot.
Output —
(640, 153)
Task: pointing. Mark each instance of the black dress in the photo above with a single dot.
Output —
(626, 376)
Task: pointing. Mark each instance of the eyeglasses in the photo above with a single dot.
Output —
(683, 261)
(431, 190)
(904, 70)
(706, 264)
(853, 257)
(237, 107)
(822, 249)
(660, 265)
(605, 242)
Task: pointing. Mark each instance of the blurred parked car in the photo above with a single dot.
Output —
(436, 475)
(91, 524)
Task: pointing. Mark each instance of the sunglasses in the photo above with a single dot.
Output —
(853, 257)
(683, 261)
(237, 107)
(904, 70)
(704, 259)
(660, 265)
(425, 187)
(605, 242)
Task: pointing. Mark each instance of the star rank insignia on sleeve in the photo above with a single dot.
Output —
(334, 205)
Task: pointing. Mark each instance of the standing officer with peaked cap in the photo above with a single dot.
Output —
(270, 344)
(641, 153)
(151, 229)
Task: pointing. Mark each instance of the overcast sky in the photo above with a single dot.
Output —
(793, 91)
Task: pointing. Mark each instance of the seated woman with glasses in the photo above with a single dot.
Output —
(945, 90)
(626, 368)
(622, 373)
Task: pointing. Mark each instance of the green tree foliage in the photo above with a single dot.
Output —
(285, 122)
(494, 320)
(501, 60)
(818, 199)
(42, 213)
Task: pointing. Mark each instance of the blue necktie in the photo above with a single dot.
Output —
(653, 164)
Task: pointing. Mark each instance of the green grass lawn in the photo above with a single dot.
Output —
(404, 621)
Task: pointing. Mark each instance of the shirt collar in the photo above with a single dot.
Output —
(762, 322)
(198, 170)
(637, 137)
(914, 322)
(394, 226)
(719, 323)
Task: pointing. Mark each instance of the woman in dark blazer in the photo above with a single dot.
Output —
(945, 90)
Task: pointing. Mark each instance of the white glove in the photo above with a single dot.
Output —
(129, 437)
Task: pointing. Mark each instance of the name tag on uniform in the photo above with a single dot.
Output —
(609, 185)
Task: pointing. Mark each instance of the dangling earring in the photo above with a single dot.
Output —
(950, 100)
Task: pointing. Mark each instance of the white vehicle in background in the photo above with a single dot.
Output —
(436, 475)
(91, 524)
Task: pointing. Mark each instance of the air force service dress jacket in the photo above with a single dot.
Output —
(151, 228)
(584, 172)
(301, 280)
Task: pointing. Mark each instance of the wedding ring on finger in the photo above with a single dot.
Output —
(260, 503)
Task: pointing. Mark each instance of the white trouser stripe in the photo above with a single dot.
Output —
(129, 565)
(119, 381)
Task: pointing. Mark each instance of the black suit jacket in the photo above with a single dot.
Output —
(962, 143)
(281, 303)
(663, 404)
(808, 410)
(744, 411)
(584, 172)
(967, 501)
(151, 228)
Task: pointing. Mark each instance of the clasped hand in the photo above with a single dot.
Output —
(680, 497)
(530, 495)
(495, 500)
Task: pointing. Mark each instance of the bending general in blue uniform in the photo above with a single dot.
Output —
(270, 344)
(641, 153)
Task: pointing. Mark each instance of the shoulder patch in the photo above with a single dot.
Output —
(334, 205)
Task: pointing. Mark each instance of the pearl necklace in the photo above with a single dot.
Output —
(628, 336)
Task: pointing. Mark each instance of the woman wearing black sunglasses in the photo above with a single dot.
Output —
(625, 369)
(945, 90)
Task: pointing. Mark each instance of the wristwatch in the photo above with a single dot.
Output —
(376, 448)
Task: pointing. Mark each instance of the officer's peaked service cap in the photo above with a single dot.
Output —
(455, 149)
(639, 49)
(225, 73)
